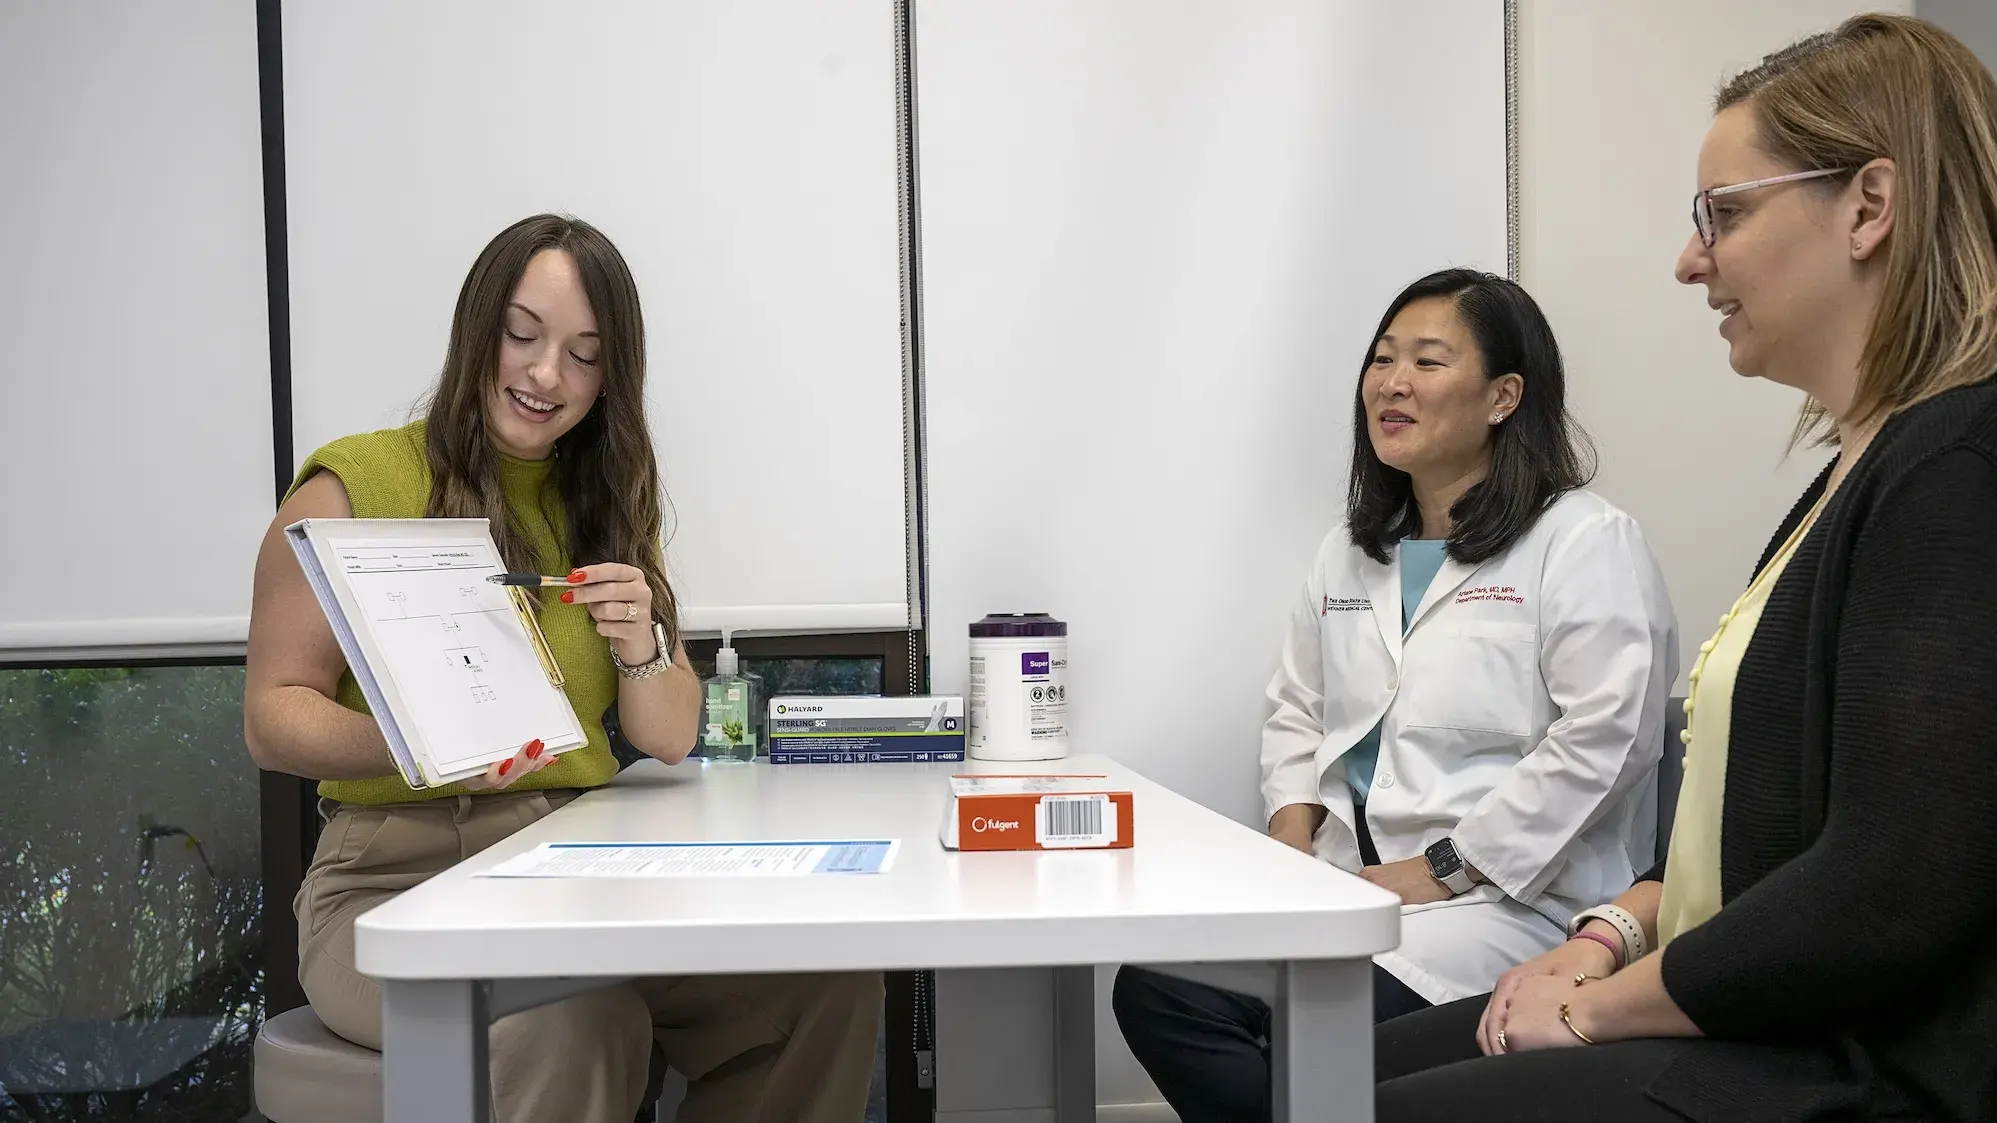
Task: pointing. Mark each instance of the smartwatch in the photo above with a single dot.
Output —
(1446, 866)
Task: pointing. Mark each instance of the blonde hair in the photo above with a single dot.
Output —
(1899, 88)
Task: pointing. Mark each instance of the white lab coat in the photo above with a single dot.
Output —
(1522, 716)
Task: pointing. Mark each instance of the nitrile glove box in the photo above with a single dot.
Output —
(837, 730)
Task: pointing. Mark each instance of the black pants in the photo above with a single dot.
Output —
(1429, 1068)
(1207, 1049)
(1208, 1052)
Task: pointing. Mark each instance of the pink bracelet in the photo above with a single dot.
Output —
(1605, 942)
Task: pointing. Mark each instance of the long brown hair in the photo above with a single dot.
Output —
(605, 474)
(1903, 89)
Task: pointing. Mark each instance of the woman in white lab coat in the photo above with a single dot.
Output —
(1470, 703)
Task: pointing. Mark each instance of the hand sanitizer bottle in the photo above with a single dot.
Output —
(759, 711)
(728, 707)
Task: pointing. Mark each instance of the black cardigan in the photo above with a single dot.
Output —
(1854, 960)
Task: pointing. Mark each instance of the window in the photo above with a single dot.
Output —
(131, 965)
(836, 675)
(848, 663)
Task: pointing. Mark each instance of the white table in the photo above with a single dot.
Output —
(1195, 887)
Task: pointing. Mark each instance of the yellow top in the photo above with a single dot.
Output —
(1692, 868)
(387, 477)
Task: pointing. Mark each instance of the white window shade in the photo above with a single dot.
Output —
(1156, 240)
(135, 449)
(744, 159)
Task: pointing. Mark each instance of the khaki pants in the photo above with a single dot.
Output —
(782, 1048)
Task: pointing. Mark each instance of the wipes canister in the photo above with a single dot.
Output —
(1019, 687)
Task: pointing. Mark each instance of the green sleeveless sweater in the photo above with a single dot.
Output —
(387, 477)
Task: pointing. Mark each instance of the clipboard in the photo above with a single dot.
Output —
(455, 669)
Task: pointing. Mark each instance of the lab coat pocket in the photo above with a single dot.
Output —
(1477, 675)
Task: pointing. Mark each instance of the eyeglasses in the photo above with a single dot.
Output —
(1702, 203)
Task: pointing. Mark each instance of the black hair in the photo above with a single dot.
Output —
(1538, 453)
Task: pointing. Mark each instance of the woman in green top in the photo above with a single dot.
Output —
(537, 423)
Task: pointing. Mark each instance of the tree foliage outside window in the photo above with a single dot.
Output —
(131, 978)
(843, 675)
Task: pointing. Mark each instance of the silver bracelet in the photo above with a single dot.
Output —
(657, 664)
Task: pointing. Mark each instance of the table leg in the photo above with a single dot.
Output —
(433, 1044)
(1075, 1044)
(1321, 1046)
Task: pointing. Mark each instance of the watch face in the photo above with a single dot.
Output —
(1442, 859)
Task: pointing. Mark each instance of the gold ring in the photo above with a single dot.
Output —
(630, 610)
(1502, 1047)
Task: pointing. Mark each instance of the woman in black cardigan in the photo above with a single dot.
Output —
(1828, 913)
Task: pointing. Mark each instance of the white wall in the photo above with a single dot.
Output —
(1156, 239)
(1614, 99)
(1972, 21)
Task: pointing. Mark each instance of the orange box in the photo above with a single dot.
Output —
(1037, 812)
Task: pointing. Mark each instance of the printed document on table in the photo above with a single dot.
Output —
(824, 857)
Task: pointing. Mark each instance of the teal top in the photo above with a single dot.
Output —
(1421, 558)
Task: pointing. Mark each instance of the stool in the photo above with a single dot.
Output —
(306, 1073)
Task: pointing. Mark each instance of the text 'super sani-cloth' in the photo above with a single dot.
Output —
(1019, 687)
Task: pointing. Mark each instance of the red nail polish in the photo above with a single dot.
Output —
(569, 597)
(534, 750)
(577, 576)
(505, 766)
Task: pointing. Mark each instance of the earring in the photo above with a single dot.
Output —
(1858, 247)
(1497, 417)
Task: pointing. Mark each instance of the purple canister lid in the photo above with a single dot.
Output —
(1020, 625)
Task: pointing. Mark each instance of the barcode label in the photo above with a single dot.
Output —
(1075, 820)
